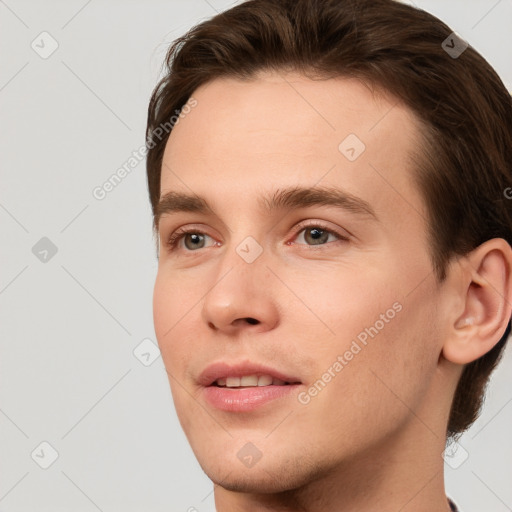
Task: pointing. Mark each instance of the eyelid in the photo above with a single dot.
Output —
(341, 233)
(177, 236)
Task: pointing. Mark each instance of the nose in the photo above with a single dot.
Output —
(241, 298)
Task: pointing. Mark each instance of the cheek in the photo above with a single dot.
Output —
(169, 314)
(174, 298)
(169, 317)
(380, 329)
(380, 382)
(351, 300)
(163, 307)
(161, 295)
(394, 369)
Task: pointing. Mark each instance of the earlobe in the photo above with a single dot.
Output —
(487, 300)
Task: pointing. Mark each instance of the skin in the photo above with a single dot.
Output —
(372, 439)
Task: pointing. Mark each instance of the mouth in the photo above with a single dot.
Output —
(244, 374)
(245, 387)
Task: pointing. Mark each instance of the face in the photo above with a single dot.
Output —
(331, 291)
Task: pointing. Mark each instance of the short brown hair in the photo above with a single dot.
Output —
(463, 106)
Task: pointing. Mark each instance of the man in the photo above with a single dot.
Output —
(334, 281)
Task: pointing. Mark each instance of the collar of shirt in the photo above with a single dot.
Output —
(453, 507)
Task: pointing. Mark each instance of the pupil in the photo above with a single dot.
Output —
(318, 235)
(196, 239)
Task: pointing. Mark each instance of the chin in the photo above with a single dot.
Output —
(273, 475)
(250, 484)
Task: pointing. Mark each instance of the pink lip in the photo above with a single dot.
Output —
(243, 399)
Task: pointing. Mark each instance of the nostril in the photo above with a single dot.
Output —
(252, 321)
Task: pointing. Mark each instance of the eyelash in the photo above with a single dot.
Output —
(176, 237)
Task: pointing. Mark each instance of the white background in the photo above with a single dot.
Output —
(68, 327)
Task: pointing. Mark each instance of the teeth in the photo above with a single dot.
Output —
(249, 381)
(265, 380)
(233, 382)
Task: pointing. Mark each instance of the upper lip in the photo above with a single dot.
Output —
(223, 369)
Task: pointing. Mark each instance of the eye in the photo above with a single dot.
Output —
(193, 239)
(313, 234)
(317, 234)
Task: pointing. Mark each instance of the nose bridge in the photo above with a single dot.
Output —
(244, 253)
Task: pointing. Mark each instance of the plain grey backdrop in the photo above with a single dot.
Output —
(86, 415)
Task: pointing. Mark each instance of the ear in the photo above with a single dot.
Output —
(487, 302)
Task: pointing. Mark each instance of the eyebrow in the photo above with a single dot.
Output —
(288, 198)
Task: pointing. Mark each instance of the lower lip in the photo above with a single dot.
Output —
(245, 399)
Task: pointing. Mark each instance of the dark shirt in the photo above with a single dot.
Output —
(453, 507)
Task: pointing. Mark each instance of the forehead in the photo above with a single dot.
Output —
(279, 129)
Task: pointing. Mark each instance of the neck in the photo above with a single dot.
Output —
(404, 472)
